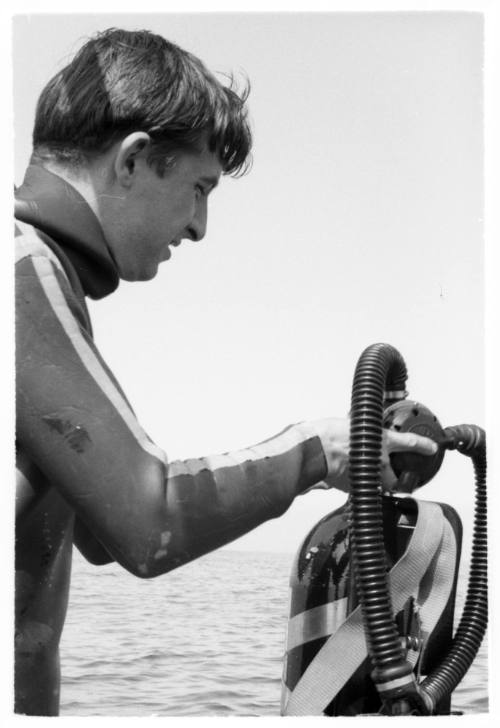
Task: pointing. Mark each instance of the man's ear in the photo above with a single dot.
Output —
(129, 150)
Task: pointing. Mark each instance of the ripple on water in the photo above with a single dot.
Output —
(204, 640)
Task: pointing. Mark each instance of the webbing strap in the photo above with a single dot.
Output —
(346, 649)
(435, 588)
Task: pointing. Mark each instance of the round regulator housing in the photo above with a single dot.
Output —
(412, 469)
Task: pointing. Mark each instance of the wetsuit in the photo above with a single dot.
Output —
(82, 452)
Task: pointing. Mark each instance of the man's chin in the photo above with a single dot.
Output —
(144, 274)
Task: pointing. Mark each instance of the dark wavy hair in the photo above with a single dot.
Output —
(122, 81)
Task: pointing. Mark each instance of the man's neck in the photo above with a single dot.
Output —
(83, 180)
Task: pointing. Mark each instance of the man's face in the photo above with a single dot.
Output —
(157, 213)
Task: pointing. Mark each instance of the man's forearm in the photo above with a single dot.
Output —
(214, 500)
(200, 503)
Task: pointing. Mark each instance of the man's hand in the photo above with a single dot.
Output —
(334, 435)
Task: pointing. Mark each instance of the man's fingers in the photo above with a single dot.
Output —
(404, 441)
(388, 476)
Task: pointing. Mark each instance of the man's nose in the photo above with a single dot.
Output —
(198, 227)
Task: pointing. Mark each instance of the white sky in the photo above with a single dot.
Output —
(361, 221)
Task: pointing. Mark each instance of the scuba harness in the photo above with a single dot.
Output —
(373, 584)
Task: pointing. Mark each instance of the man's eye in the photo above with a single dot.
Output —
(200, 190)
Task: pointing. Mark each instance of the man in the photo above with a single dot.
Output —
(129, 140)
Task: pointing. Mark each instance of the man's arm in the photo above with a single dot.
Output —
(76, 425)
(89, 546)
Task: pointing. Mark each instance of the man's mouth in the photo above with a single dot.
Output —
(168, 253)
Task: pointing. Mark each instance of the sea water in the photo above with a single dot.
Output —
(205, 640)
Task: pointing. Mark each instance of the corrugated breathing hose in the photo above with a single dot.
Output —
(380, 368)
(380, 377)
(471, 441)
